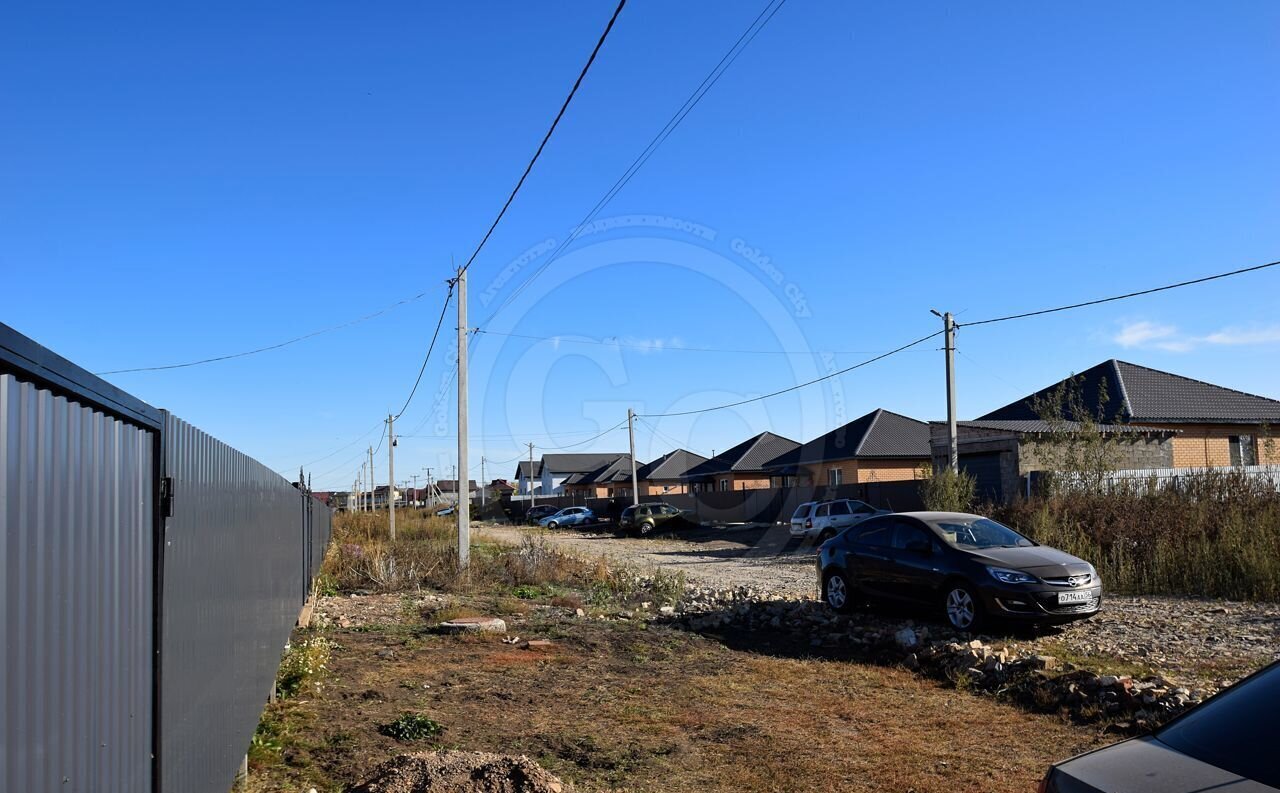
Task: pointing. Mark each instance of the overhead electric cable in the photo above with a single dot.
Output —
(443, 310)
(615, 342)
(708, 82)
(1114, 298)
(779, 392)
(547, 137)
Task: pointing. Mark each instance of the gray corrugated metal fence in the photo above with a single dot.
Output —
(76, 573)
(131, 663)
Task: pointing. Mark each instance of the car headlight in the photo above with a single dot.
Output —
(1010, 576)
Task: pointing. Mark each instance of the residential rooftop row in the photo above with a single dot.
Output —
(1160, 420)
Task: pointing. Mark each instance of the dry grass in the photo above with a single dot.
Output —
(632, 706)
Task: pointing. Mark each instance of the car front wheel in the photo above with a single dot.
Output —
(837, 593)
(964, 610)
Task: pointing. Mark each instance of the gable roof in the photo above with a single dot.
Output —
(672, 465)
(522, 469)
(613, 468)
(1139, 393)
(1040, 427)
(578, 463)
(880, 433)
(753, 454)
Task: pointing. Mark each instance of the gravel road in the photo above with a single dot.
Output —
(1187, 639)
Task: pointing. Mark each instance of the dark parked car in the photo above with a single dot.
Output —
(1227, 744)
(539, 512)
(644, 518)
(971, 566)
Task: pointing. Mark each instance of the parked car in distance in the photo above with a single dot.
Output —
(972, 567)
(825, 519)
(569, 516)
(645, 518)
(540, 511)
(1226, 743)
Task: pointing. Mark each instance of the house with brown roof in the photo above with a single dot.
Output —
(611, 478)
(665, 475)
(565, 474)
(1212, 425)
(747, 466)
(881, 446)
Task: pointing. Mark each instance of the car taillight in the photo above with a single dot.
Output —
(1043, 787)
(808, 523)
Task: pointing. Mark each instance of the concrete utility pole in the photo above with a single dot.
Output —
(373, 484)
(391, 471)
(431, 488)
(464, 509)
(949, 326)
(533, 500)
(483, 481)
(415, 490)
(631, 434)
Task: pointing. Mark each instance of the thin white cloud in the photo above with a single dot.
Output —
(1143, 334)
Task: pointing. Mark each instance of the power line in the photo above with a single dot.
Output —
(708, 82)
(1114, 298)
(547, 137)
(268, 348)
(659, 433)
(362, 436)
(801, 385)
(443, 309)
(617, 426)
(615, 342)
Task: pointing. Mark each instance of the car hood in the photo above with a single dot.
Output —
(1145, 764)
(1040, 559)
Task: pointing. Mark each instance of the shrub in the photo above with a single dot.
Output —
(1216, 534)
(945, 490)
(303, 666)
(411, 727)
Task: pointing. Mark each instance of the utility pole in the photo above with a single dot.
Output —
(373, 484)
(483, 481)
(391, 471)
(464, 510)
(415, 490)
(631, 435)
(430, 487)
(949, 328)
(533, 500)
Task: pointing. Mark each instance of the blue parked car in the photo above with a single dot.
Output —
(569, 516)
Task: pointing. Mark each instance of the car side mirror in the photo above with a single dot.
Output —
(922, 547)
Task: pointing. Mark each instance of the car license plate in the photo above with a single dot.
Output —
(1074, 597)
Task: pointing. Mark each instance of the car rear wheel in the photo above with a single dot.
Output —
(646, 528)
(837, 593)
(963, 609)
(825, 535)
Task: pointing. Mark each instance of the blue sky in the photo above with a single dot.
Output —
(178, 182)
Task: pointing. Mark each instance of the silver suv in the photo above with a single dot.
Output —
(823, 519)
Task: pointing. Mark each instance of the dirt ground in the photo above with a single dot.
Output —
(1189, 640)
(627, 705)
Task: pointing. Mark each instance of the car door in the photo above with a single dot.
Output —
(821, 517)
(869, 557)
(916, 572)
(841, 515)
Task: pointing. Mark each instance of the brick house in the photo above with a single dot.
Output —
(746, 466)
(550, 475)
(664, 476)
(1001, 455)
(612, 477)
(881, 446)
(1215, 426)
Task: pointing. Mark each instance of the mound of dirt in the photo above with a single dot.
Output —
(461, 772)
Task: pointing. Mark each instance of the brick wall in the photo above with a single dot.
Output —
(663, 487)
(863, 471)
(1201, 445)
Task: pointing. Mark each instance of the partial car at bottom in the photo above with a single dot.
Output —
(969, 566)
(1227, 744)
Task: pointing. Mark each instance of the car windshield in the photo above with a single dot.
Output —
(980, 533)
(802, 511)
(1234, 731)
(629, 511)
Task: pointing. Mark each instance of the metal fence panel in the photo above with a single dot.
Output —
(76, 571)
(234, 571)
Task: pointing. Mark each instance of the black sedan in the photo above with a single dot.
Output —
(1227, 745)
(973, 567)
(537, 513)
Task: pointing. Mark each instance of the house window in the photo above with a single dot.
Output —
(835, 477)
(724, 484)
(1242, 451)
